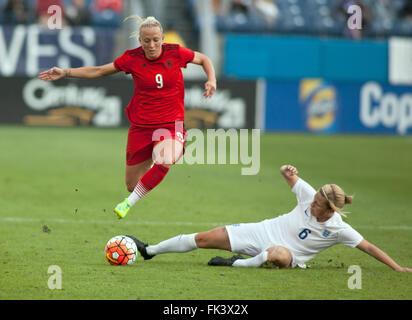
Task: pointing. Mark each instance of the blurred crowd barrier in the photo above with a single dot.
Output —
(305, 81)
(296, 57)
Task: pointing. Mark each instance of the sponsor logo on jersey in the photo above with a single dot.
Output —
(326, 233)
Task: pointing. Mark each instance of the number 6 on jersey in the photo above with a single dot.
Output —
(159, 81)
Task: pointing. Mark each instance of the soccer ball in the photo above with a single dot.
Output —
(121, 250)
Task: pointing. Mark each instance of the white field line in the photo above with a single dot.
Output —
(125, 222)
(163, 223)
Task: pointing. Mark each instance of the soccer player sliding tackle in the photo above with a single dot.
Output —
(287, 241)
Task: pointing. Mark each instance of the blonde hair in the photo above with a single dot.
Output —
(149, 22)
(336, 197)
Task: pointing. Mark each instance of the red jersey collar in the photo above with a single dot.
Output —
(153, 60)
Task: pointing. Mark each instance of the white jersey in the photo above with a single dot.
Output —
(297, 230)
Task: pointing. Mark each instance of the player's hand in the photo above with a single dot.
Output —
(52, 74)
(288, 170)
(404, 269)
(210, 89)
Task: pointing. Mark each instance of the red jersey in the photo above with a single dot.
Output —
(159, 92)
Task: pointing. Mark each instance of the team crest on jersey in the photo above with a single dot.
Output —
(169, 63)
(326, 233)
(144, 65)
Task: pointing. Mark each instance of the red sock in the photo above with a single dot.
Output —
(151, 179)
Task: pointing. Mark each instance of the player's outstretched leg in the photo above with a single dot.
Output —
(148, 182)
(141, 247)
(122, 208)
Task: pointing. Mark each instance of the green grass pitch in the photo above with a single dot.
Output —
(58, 187)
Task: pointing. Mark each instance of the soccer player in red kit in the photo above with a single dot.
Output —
(156, 111)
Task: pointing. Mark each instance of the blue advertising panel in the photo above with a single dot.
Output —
(25, 50)
(318, 106)
(308, 105)
(376, 108)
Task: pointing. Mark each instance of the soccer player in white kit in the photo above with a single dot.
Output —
(286, 241)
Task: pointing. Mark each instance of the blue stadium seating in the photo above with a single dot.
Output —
(105, 18)
(2, 4)
(9, 20)
(314, 17)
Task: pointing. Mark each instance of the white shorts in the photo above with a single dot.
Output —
(249, 239)
(246, 238)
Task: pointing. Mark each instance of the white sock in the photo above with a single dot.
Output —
(181, 243)
(139, 192)
(255, 261)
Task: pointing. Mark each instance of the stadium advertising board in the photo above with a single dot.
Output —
(27, 50)
(319, 106)
(232, 106)
(101, 102)
(32, 101)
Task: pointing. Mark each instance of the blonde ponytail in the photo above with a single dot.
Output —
(348, 199)
(148, 22)
(336, 197)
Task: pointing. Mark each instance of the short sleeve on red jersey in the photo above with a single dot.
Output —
(121, 63)
(186, 56)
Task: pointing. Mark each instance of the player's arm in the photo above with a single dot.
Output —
(289, 172)
(56, 73)
(378, 254)
(207, 65)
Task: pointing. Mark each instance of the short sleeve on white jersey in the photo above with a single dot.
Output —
(349, 237)
(304, 191)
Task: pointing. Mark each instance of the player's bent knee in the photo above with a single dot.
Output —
(168, 160)
(280, 256)
(205, 239)
(213, 239)
(168, 163)
(202, 240)
(168, 152)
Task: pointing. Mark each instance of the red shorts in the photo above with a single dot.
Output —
(142, 140)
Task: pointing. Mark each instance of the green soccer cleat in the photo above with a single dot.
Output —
(122, 208)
